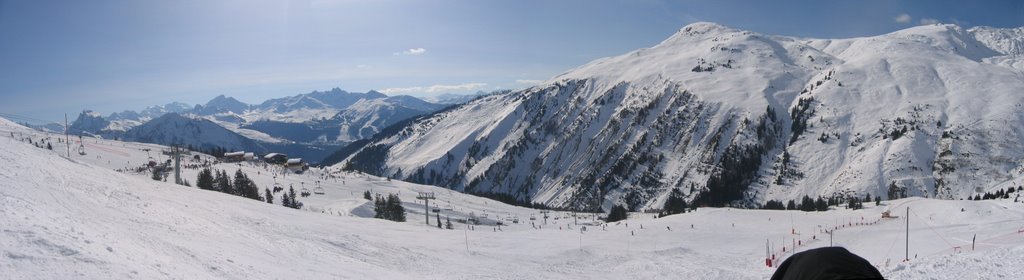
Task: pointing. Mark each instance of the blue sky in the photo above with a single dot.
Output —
(64, 56)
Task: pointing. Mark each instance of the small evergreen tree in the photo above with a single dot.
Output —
(379, 208)
(292, 201)
(241, 184)
(269, 195)
(223, 182)
(285, 200)
(791, 205)
(878, 200)
(366, 195)
(205, 179)
(395, 208)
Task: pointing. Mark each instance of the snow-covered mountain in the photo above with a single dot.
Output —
(221, 104)
(89, 122)
(198, 133)
(729, 116)
(359, 120)
(334, 117)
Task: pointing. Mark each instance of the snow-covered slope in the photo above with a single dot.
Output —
(733, 116)
(75, 218)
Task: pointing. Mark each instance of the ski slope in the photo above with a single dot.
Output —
(77, 218)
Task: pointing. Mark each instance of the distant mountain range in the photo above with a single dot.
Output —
(323, 120)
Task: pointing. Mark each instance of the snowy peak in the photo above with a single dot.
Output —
(222, 104)
(1007, 41)
(172, 128)
(89, 122)
(336, 99)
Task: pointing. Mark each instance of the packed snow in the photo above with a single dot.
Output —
(79, 218)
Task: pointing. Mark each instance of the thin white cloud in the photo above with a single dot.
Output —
(529, 82)
(902, 18)
(926, 21)
(435, 88)
(413, 51)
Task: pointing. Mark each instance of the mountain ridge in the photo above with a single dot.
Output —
(733, 117)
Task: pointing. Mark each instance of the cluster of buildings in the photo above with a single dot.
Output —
(296, 165)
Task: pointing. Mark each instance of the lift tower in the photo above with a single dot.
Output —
(426, 197)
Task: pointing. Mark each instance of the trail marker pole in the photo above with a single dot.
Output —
(906, 257)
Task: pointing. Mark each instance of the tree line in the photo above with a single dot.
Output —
(218, 180)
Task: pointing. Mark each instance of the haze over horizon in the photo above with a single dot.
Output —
(65, 56)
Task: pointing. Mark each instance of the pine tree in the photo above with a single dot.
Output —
(268, 195)
(223, 182)
(867, 197)
(285, 200)
(366, 195)
(791, 205)
(878, 200)
(246, 187)
(241, 184)
(379, 209)
(292, 201)
(395, 208)
(205, 179)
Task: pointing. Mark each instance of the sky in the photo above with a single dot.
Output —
(60, 57)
